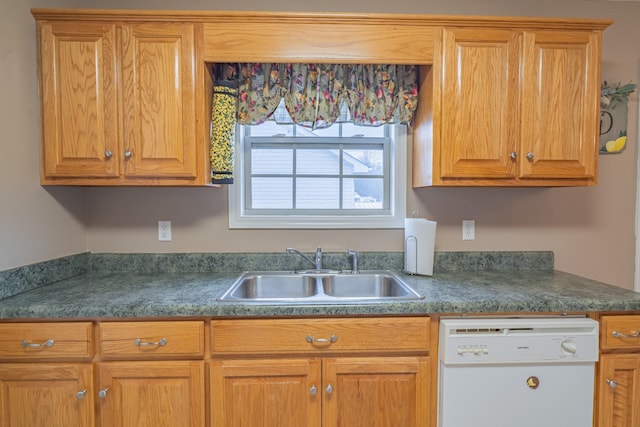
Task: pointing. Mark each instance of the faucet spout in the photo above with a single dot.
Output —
(316, 262)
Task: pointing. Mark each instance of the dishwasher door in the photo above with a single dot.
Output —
(524, 372)
(545, 395)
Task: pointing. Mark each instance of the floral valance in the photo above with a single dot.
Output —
(314, 94)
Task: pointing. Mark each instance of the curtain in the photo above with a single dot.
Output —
(314, 95)
(375, 94)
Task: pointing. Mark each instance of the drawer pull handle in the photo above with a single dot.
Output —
(321, 341)
(81, 394)
(47, 343)
(103, 393)
(139, 343)
(611, 383)
(633, 334)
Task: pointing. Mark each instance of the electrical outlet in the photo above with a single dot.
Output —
(468, 229)
(164, 231)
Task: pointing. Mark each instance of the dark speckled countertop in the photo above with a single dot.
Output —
(98, 290)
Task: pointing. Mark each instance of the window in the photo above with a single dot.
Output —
(342, 176)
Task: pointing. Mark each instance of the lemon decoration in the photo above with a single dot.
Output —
(616, 145)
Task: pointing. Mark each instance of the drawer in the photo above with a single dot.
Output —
(287, 336)
(46, 341)
(151, 340)
(620, 332)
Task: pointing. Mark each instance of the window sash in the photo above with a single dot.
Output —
(296, 144)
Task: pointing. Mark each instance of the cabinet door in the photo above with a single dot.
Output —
(480, 78)
(46, 394)
(376, 391)
(619, 391)
(151, 394)
(265, 393)
(560, 104)
(158, 93)
(79, 104)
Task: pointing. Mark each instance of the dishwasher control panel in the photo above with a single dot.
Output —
(518, 340)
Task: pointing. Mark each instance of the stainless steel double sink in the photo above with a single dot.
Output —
(318, 287)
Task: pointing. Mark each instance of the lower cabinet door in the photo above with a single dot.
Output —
(46, 394)
(619, 391)
(265, 393)
(376, 391)
(151, 394)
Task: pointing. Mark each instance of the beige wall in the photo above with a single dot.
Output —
(591, 230)
(35, 223)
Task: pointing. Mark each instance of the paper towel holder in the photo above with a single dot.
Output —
(414, 240)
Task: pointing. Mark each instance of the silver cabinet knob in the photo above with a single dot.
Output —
(81, 394)
(329, 389)
(103, 393)
(530, 156)
(313, 390)
(108, 154)
(611, 383)
(128, 154)
(513, 155)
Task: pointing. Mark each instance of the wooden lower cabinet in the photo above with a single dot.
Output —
(619, 389)
(46, 394)
(151, 394)
(313, 392)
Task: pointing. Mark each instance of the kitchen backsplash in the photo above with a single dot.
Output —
(22, 279)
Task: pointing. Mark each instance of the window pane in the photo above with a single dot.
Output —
(317, 193)
(271, 128)
(363, 162)
(363, 193)
(272, 161)
(271, 193)
(318, 162)
(349, 130)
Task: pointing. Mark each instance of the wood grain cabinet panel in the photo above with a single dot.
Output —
(119, 104)
(266, 392)
(46, 394)
(34, 341)
(277, 336)
(509, 107)
(158, 394)
(79, 100)
(619, 391)
(152, 340)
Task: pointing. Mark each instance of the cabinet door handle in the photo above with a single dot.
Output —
(513, 155)
(633, 334)
(611, 383)
(128, 154)
(530, 156)
(81, 394)
(103, 393)
(329, 389)
(108, 154)
(313, 390)
(47, 343)
(139, 343)
(321, 341)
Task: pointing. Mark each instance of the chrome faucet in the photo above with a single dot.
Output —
(354, 266)
(317, 261)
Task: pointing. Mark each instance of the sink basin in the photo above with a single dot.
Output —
(318, 287)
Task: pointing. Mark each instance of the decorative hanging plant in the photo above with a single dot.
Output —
(609, 96)
(613, 121)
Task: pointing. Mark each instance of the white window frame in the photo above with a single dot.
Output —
(394, 218)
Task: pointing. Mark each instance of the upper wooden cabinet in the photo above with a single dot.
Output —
(126, 95)
(509, 107)
(118, 113)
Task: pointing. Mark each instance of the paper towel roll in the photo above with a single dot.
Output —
(419, 244)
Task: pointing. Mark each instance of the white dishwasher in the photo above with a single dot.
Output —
(517, 372)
